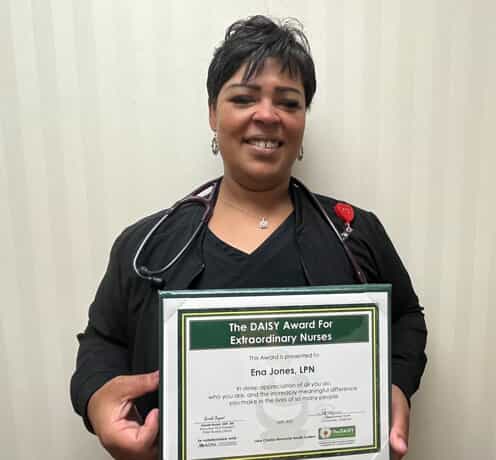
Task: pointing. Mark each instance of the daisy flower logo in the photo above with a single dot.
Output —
(324, 433)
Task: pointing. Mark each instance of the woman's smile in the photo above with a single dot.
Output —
(260, 124)
(264, 145)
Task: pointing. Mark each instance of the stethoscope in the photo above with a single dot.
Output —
(205, 196)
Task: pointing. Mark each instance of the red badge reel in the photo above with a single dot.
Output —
(346, 213)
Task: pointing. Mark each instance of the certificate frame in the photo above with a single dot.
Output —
(182, 312)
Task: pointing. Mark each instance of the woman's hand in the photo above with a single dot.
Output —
(116, 421)
(400, 422)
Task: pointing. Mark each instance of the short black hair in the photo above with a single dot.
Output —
(251, 41)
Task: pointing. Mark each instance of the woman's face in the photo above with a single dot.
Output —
(260, 125)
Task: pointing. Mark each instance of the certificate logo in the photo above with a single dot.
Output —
(324, 433)
(336, 432)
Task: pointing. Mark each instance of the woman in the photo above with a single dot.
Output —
(264, 232)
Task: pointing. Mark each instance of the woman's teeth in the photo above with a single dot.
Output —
(264, 144)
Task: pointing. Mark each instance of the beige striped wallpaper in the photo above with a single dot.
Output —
(103, 118)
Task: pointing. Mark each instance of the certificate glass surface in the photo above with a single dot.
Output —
(275, 373)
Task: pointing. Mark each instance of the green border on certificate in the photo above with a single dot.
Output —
(292, 388)
(207, 334)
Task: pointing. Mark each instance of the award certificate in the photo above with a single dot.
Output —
(275, 373)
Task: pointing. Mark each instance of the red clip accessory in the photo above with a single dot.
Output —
(346, 213)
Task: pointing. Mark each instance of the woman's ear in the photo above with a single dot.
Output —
(212, 117)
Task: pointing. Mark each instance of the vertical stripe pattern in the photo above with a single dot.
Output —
(104, 119)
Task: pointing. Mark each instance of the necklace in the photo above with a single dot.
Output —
(263, 223)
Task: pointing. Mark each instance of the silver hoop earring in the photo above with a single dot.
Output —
(215, 145)
(300, 153)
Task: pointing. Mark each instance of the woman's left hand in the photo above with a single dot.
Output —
(400, 422)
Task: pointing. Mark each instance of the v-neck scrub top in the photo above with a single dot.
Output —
(275, 263)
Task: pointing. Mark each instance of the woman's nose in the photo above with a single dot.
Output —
(266, 112)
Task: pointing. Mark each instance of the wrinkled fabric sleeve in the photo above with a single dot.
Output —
(408, 328)
(103, 346)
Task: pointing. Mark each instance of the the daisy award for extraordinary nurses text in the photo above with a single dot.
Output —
(279, 383)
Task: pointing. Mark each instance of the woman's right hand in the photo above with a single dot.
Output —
(115, 419)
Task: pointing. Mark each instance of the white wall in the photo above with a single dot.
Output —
(103, 118)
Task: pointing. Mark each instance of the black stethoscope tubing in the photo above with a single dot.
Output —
(196, 196)
(204, 195)
(356, 268)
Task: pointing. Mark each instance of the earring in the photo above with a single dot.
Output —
(215, 145)
(300, 153)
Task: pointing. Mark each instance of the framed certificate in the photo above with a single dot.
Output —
(275, 373)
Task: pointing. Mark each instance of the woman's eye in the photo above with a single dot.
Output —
(242, 100)
(291, 104)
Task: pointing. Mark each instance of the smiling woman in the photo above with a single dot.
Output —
(261, 82)
(259, 125)
(263, 229)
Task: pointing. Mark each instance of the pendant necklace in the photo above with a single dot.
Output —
(263, 223)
